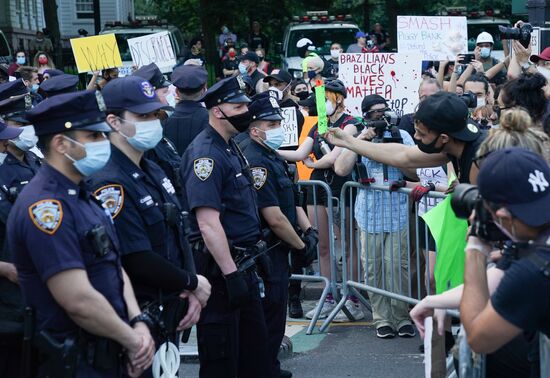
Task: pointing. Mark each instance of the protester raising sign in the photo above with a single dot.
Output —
(436, 38)
(96, 53)
(392, 76)
(290, 126)
(153, 48)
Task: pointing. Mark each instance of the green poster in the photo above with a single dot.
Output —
(322, 123)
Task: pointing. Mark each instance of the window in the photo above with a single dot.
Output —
(84, 8)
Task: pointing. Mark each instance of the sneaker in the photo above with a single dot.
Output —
(406, 331)
(328, 306)
(354, 309)
(295, 308)
(385, 332)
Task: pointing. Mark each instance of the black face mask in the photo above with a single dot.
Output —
(302, 95)
(239, 121)
(430, 148)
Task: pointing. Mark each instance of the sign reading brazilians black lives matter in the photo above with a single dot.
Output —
(393, 76)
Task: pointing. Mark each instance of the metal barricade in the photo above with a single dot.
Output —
(330, 285)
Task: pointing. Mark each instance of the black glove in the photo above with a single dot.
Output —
(237, 289)
(310, 239)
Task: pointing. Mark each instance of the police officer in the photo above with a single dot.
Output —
(59, 84)
(276, 203)
(189, 117)
(232, 334)
(144, 206)
(165, 153)
(66, 250)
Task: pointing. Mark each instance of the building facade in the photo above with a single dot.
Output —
(20, 20)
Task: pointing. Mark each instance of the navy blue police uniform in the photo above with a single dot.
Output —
(190, 117)
(231, 339)
(147, 214)
(274, 189)
(51, 229)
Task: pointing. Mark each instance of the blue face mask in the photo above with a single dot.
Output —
(35, 88)
(243, 69)
(311, 74)
(485, 52)
(97, 155)
(274, 138)
(20, 60)
(148, 135)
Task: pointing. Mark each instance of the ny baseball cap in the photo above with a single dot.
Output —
(520, 180)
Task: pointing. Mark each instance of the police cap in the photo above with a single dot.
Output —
(189, 77)
(229, 90)
(132, 93)
(59, 84)
(152, 73)
(265, 108)
(82, 110)
(14, 101)
(52, 72)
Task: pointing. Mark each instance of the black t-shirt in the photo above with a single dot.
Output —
(229, 64)
(463, 165)
(258, 40)
(406, 123)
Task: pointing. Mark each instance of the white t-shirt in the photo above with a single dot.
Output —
(438, 177)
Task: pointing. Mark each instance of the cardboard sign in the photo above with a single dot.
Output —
(535, 41)
(290, 126)
(435, 38)
(96, 53)
(393, 76)
(153, 48)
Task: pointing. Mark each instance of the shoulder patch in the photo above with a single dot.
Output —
(203, 168)
(111, 197)
(259, 175)
(46, 215)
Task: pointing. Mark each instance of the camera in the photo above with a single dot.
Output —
(522, 33)
(464, 200)
(470, 99)
(386, 128)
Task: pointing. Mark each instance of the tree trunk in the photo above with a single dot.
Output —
(52, 23)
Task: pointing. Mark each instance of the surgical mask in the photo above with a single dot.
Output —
(311, 74)
(544, 72)
(481, 102)
(225, 30)
(334, 53)
(97, 156)
(171, 99)
(35, 88)
(26, 140)
(485, 52)
(274, 138)
(239, 121)
(3, 156)
(20, 60)
(148, 135)
(429, 148)
(329, 107)
(278, 93)
(243, 69)
(302, 95)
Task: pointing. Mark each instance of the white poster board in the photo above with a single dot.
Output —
(290, 126)
(395, 77)
(153, 48)
(535, 41)
(435, 38)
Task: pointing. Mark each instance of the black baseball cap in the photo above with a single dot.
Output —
(132, 93)
(371, 100)
(281, 76)
(446, 113)
(519, 179)
(251, 55)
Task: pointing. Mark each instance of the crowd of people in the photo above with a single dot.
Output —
(162, 203)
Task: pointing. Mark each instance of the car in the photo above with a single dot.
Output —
(322, 30)
(139, 28)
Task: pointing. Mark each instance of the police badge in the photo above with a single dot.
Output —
(111, 197)
(259, 174)
(203, 168)
(46, 215)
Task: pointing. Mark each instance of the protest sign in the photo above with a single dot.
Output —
(96, 53)
(290, 126)
(392, 76)
(535, 41)
(153, 48)
(435, 38)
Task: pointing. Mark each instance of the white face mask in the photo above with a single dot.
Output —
(481, 102)
(330, 108)
(544, 71)
(27, 139)
(334, 53)
(171, 99)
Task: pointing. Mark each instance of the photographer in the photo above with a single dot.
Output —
(513, 184)
(442, 133)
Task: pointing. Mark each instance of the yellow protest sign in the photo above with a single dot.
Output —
(96, 53)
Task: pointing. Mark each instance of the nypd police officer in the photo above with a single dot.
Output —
(232, 335)
(143, 203)
(277, 207)
(66, 250)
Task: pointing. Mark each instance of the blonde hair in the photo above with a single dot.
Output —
(516, 130)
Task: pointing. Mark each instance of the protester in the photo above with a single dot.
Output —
(299, 89)
(382, 38)
(226, 33)
(257, 39)
(20, 59)
(331, 70)
(42, 61)
(482, 52)
(264, 65)
(360, 45)
(30, 79)
(196, 51)
(314, 70)
(231, 64)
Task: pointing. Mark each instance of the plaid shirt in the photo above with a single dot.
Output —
(373, 206)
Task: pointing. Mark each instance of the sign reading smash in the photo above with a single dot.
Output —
(290, 127)
(436, 38)
(153, 48)
(392, 76)
(96, 53)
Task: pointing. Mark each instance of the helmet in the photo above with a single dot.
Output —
(336, 86)
(485, 37)
(304, 42)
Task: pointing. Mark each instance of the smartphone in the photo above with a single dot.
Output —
(466, 58)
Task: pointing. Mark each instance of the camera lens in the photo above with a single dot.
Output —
(464, 199)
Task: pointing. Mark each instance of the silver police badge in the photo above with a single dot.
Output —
(111, 197)
(46, 215)
(259, 175)
(203, 168)
(240, 80)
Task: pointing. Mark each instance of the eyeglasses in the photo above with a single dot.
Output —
(477, 160)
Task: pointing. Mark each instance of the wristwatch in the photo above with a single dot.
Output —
(143, 317)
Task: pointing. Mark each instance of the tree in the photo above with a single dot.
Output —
(52, 24)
